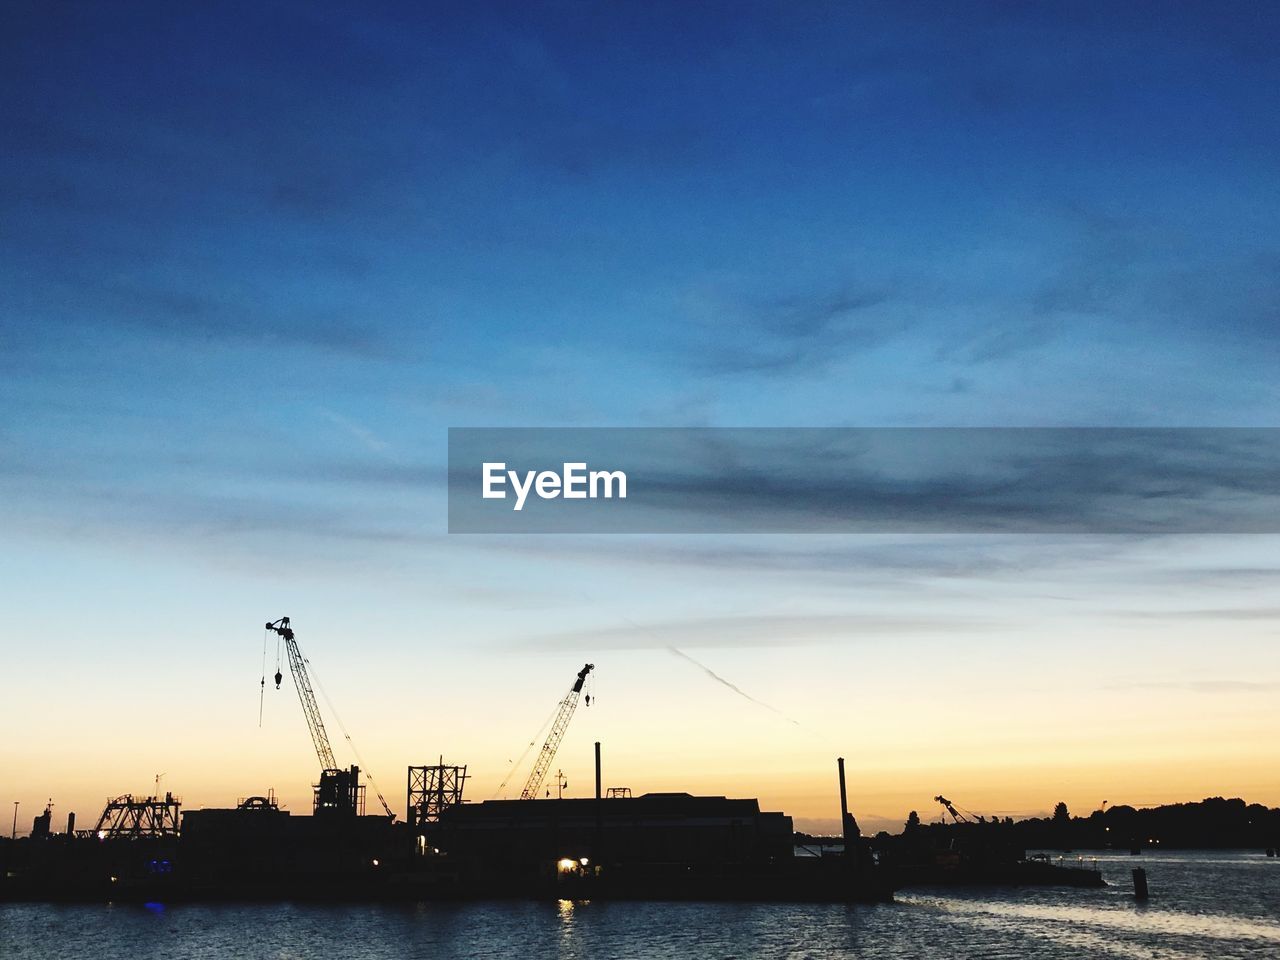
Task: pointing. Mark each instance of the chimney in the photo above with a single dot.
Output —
(844, 807)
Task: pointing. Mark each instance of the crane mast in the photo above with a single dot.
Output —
(558, 728)
(302, 681)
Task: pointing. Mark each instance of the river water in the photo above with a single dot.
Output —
(1203, 905)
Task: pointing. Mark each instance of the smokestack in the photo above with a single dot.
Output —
(71, 824)
(844, 807)
(597, 769)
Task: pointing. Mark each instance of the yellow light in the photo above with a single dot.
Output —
(584, 861)
(566, 865)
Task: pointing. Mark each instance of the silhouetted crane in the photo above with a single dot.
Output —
(957, 815)
(558, 728)
(311, 709)
(302, 681)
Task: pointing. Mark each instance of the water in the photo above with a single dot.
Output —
(1220, 905)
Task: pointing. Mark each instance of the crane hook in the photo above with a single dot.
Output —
(279, 677)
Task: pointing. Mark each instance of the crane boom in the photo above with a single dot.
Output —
(957, 815)
(558, 728)
(302, 681)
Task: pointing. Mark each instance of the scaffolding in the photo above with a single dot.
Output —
(433, 790)
(127, 818)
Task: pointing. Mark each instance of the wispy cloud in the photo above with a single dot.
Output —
(1208, 613)
(790, 333)
(1202, 686)
(764, 630)
(363, 434)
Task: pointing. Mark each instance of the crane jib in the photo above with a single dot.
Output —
(302, 683)
(558, 728)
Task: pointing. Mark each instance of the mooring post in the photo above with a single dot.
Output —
(1139, 884)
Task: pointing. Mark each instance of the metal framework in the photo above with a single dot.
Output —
(302, 681)
(558, 728)
(341, 793)
(618, 793)
(433, 790)
(125, 818)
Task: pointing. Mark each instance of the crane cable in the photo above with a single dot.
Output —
(262, 684)
(532, 742)
(351, 743)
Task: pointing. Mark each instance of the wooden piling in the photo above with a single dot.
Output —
(1139, 884)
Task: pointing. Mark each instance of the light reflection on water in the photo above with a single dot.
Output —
(1202, 905)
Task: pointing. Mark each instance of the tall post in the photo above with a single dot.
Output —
(14, 834)
(595, 852)
(844, 808)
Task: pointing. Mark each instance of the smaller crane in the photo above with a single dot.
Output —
(957, 815)
(558, 728)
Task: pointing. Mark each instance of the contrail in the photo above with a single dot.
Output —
(736, 689)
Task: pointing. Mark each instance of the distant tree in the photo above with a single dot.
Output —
(1061, 814)
(913, 822)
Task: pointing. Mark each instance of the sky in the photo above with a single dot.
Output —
(256, 259)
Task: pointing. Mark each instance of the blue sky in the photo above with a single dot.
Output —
(255, 259)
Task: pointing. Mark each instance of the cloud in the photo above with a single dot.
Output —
(190, 313)
(1202, 686)
(780, 630)
(363, 434)
(788, 334)
(1218, 613)
(901, 561)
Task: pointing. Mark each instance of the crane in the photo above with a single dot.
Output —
(302, 681)
(956, 815)
(311, 710)
(558, 727)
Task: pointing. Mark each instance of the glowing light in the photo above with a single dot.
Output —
(584, 861)
(375, 862)
(566, 865)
